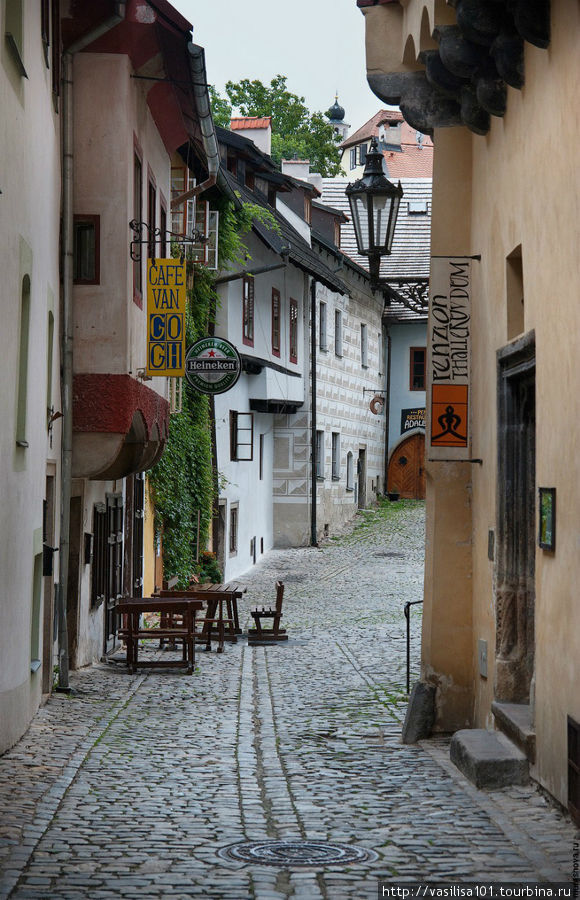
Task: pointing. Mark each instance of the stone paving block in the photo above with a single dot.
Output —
(488, 758)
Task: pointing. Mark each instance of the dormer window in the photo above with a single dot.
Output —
(307, 209)
(250, 180)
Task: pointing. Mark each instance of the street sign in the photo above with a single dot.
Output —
(166, 304)
(212, 365)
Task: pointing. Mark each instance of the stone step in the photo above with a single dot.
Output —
(488, 758)
(515, 720)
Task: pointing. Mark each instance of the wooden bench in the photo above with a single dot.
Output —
(132, 609)
(275, 633)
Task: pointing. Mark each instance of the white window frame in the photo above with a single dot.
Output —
(364, 346)
(320, 448)
(350, 471)
(338, 332)
(322, 327)
(336, 456)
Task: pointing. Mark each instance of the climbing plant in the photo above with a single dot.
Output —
(183, 482)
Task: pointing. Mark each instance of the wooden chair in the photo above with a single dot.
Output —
(275, 633)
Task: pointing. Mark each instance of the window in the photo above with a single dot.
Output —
(322, 334)
(248, 311)
(364, 347)
(179, 185)
(358, 156)
(14, 33)
(293, 338)
(381, 346)
(308, 209)
(262, 442)
(86, 252)
(353, 158)
(417, 367)
(163, 229)
(22, 388)
(151, 217)
(349, 472)
(335, 456)
(99, 555)
(417, 207)
(319, 454)
(138, 216)
(250, 180)
(234, 529)
(338, 332)
(275, 322)
(337, 233)
(241, 436)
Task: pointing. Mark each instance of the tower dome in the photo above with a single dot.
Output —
(336, 111)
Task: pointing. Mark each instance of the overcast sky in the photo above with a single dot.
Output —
(317, 44)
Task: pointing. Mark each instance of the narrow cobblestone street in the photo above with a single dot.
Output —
(132, 786)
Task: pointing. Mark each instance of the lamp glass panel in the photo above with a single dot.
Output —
(394, 214)
(361, 223)
(381, 216)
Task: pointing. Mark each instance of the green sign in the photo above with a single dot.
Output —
(212, 365)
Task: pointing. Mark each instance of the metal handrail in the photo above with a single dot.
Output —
(406, 609)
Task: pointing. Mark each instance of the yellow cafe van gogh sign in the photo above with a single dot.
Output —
(166, 303)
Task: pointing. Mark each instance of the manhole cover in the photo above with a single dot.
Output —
(296, 853)
(390, 554)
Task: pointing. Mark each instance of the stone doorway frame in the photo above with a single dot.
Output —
(516, 531)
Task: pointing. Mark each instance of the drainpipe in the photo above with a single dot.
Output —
(67, 331)
(208, 135)
(387, 410)
(313, 528)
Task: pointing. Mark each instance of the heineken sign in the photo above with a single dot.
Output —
(212, 365)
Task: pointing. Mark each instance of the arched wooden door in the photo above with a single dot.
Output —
(407, 468)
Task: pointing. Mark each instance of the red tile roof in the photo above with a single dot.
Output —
(243, 122)
(371, 128)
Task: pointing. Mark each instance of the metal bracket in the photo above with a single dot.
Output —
(157, 236)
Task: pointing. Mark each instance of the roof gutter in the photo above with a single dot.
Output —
(208, 135)
(67, 330)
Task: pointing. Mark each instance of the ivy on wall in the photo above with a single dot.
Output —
(184, 483)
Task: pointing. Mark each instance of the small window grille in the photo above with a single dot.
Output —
(335, 456)
(241, 436)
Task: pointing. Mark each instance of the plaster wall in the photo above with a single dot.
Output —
(518, 186)
(240, 481)
(403, 337)
(29, 224)
(110, 323)
(541, 124)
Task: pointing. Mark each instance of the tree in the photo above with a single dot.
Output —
(296, 132)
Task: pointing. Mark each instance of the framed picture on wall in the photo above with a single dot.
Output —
(547, 529)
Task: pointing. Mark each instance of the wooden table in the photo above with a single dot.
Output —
(226, 626)
(134, 607)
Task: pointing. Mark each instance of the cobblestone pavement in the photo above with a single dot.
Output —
(131, 786)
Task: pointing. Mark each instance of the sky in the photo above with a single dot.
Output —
(318, 44)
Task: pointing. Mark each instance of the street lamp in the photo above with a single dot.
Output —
(374, 205)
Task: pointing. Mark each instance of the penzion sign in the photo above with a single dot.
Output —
(449, 357)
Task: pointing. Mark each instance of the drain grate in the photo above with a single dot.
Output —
(390, 554)
(288, 854)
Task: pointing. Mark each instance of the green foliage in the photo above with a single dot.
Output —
(295, 130)
(220, 108)
(183, 482)
(209, 569)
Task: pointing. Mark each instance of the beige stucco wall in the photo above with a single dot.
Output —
(29, 224)
(518, 185)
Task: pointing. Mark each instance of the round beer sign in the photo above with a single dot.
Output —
(212, 365)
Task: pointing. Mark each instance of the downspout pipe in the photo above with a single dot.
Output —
(67, 330)
(208, 135)
(387, 410)
(313, 490)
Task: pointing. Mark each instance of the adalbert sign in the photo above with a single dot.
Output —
(212, 365)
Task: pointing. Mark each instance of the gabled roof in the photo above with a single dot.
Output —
(370, 128)
(288, 240)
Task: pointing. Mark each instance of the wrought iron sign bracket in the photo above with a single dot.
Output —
(156, 236)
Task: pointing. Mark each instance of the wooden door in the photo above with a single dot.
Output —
(407, 468)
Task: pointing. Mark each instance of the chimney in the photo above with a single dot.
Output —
(257, 129)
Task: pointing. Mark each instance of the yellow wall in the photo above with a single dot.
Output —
(518, 185)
